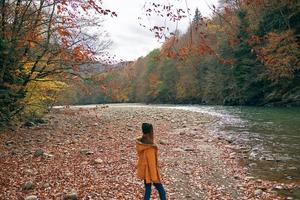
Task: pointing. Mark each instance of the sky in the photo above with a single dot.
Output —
(130, 40)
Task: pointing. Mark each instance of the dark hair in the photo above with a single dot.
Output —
(147, 128)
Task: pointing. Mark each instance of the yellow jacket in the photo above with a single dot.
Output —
(147, 165)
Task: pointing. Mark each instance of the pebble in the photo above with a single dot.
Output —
(252, 165)
(93, 194)
(248, 178)
(189, 149)
(68, 174)
(71, 196)
(98, 161)
(292, 168)
(163, 142)
(197, 140)
(31, 197)
(232, 155)
(278, 187)
(14, 152)
(236, 177)
(29, 124)
(29, 171)
(27, 186)
(86, 152)
(178, 149)
(84, 163)
(258, 192)
(38, 153)
(181, 133)
(47, 155)
(9, 143)
(46, 185)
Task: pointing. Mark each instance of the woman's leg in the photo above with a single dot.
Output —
(147, 191)
(161, 191)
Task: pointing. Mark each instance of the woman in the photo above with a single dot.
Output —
(147, 167)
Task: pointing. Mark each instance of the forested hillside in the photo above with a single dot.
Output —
(247, 53)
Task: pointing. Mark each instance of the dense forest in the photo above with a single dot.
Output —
(247, 53)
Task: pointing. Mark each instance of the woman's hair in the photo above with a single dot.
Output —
(147, 128)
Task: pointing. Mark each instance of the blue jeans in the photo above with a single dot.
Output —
(159, 187)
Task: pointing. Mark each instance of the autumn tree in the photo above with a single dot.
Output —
(40, 41)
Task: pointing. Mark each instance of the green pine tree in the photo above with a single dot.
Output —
(197, 16)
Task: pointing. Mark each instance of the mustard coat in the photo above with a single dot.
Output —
(147, 165)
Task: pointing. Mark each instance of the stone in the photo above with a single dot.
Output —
(27, 186)
(178, 149)
(47, 155)
(71, 196)
(31, 197)
(208, 140)
(14, 152)
(9, 143)
(29, 124)
(232, 155)
(163, 142)
(38, 153)
(29, 171)
(69, 174)
(258, 180)
(86, 152)
(236, 177)
(188, 148)
(229, 140)
(252, 165)
(278, 187)
(98, 161)
(229, 146)
(193, 134)
(248, 178)
(258, 192)
(93, 194)
(187, 172)
(292, 168)
(197, 140)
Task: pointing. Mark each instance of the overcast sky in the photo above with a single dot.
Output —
(130, 40)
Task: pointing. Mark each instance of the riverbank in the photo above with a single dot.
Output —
(91, 152)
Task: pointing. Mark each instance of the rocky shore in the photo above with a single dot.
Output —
(89, 153)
